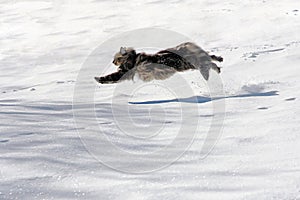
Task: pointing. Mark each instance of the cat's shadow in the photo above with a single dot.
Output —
(202, 99)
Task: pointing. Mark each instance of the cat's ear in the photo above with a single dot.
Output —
(123, 50)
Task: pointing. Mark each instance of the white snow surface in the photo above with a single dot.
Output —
(43, 45)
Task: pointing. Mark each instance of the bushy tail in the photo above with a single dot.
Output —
(216, 58)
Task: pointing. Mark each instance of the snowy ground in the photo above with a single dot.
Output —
(43, 45)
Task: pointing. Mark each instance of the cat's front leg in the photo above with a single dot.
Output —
(111, 78)
(103, 80)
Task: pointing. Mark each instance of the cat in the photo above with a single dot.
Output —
(161, 65)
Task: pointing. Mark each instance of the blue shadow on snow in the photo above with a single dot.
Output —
(201, 99)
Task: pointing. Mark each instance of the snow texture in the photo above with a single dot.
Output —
(43, 45)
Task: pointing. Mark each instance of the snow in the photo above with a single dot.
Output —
(44, 153)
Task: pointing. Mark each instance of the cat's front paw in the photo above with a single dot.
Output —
(104, 80)
(99, 79)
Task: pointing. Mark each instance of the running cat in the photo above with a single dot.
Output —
(162, 65)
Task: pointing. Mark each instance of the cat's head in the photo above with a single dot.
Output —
(124, 55)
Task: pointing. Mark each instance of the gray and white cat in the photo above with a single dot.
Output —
(161, 65)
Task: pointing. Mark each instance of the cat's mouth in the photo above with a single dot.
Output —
(116, 63)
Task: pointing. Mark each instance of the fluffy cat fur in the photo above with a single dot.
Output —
(161, 65)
